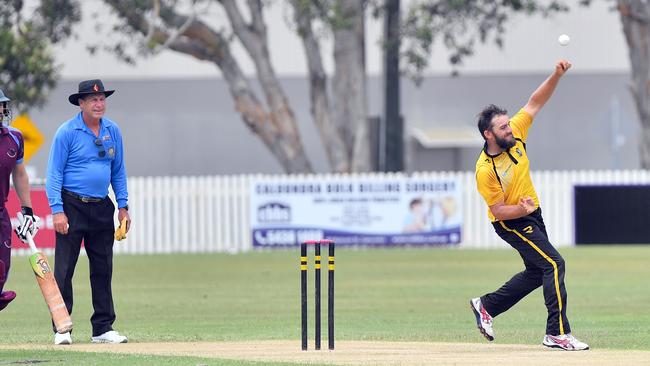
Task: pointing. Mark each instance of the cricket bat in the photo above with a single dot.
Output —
(49, 288)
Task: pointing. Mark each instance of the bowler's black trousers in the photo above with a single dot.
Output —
(544, 267)
(91, 222)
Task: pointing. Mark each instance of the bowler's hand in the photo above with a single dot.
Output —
(561, 67)
(60, 221)
(122, 213)
(528, 204)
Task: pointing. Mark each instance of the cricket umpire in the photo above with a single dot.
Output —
(503, 179)
(86, 157)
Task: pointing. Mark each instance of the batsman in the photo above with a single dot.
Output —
(11, 164)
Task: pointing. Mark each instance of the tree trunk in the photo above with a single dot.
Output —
(277, 127)
(635, 17)
(320, 107)
(349, 83)
(253, 37)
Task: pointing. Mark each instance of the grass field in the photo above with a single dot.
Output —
(414, 294)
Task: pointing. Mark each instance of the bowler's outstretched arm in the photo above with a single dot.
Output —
(543, 93)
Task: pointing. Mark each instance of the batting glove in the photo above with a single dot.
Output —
(27, 223)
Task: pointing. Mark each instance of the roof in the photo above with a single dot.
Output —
(446, 137)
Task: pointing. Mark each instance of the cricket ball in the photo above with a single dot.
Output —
(563, 39)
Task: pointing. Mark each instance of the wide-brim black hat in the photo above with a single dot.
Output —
(87, 87)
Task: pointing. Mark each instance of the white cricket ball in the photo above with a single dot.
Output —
(563, 39)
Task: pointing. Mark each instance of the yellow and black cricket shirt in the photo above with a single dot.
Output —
(506, 176)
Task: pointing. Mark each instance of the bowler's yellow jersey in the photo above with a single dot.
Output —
(506, 176)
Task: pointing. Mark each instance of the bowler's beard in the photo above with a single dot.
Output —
(504, 143)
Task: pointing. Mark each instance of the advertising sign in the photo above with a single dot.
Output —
(356, 211)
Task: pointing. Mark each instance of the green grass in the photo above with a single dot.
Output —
(63, 358)
(414, 294)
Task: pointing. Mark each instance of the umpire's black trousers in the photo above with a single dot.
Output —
(91, 222)
(544, 267)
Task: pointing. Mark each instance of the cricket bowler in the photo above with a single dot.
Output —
(503, 180)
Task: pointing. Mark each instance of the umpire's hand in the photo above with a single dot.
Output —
(60, 223)
(122, 214)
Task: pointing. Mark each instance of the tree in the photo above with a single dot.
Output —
(159, 24)
(338, 106)
(460, 25)
(27, 66)
(425, 21)
(635, 17)
(343, 126)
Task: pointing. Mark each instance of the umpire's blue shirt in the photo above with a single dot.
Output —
(86, 164)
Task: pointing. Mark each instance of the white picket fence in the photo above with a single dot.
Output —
(211, 214)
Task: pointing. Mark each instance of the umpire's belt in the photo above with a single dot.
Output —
(80, 197)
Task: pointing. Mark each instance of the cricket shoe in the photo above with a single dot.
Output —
(62, 338)
(110, 337)
(5, 298)
(483, 319)
(566, 342)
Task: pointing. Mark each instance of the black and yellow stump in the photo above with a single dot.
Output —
(317, 292)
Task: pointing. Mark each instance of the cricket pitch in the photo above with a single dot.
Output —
(366, 353)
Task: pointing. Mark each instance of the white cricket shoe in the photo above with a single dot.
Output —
(566, 342)
(62, 338)
(483, 319)
(110, 337)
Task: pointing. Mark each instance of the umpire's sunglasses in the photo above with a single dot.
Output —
(100, 144)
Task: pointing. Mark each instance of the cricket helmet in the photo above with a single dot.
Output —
(3, 97)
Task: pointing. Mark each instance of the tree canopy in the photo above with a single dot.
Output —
(27, 66)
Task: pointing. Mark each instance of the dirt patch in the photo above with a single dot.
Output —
(367, 353)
